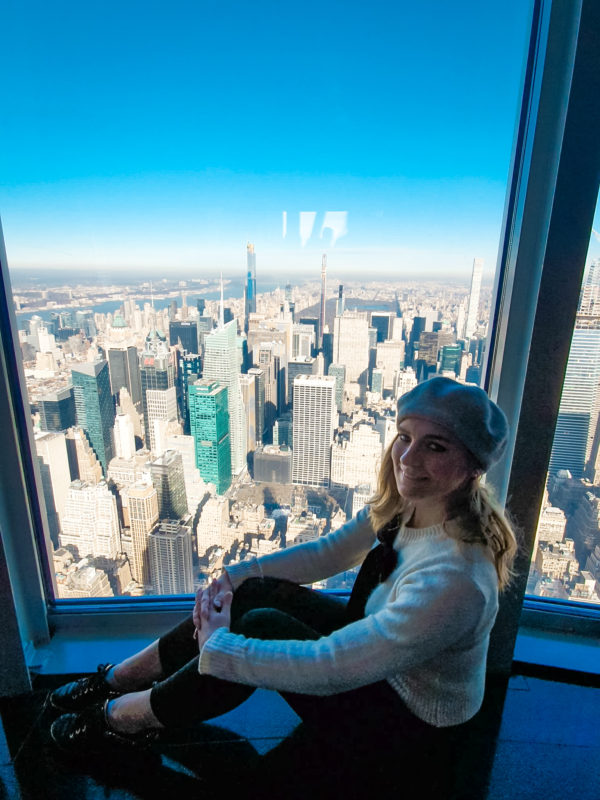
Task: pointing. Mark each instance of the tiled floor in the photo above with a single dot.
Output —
(547, 746)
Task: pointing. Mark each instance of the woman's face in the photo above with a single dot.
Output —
(429, 462)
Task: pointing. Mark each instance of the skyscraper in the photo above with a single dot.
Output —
(338, 371)
(351, 345)
(209, 425)
(57, 410)
(579, 404)
(142, 501)
(250, 291)
(90, 521)
(323, 299)
(157, 371)
(221, 364)
(170, 557)
(314, 421)
(473, 310)
(340, 308)
(186, 332)
(189, 369)
(51, 449)
(168, 480)
(94, 407)
(161, 417)
(124, 368)
(124, 436)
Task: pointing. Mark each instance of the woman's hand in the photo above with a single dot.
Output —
(211, 611)
(224, 585)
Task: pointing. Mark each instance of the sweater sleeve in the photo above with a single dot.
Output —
(312, 561)
(431, 612)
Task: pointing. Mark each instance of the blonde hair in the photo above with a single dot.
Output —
(481, 518)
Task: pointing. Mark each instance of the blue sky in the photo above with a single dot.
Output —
(162, 135)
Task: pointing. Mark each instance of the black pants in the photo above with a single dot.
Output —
(269, 608)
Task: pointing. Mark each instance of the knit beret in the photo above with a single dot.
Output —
(466, 411)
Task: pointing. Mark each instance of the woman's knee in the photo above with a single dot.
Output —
(270, 623)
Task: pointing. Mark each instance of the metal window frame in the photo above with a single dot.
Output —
(551, 200)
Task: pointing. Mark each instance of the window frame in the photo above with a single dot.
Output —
(547, 218)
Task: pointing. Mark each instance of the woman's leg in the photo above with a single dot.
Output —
(185, 696)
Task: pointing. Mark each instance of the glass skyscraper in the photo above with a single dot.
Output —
(94, 407)
(209, 425)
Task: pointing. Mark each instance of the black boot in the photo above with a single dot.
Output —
(85, 692)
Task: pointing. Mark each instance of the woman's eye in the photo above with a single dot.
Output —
(403, 437)
(437, 448)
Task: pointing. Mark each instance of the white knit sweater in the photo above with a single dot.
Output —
(426, 629)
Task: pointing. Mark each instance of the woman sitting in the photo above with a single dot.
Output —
(406, 654)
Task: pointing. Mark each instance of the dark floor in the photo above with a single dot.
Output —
(543, 742)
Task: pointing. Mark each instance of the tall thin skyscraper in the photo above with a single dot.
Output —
(221, 364)
(315, 420)
(94, 407)
(323, 299)
(473, 311)
(250, 291)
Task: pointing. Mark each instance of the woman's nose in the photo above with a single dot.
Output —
(410, 454)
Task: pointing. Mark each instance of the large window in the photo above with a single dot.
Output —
(352, 200)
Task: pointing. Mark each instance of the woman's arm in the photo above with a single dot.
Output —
(312, 561)
(431, 613)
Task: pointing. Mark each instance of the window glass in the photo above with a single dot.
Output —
(236, 233)
(566, 557)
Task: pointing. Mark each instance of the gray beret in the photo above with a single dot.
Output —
(466, 411)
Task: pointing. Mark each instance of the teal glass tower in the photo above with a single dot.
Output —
(209, 425)
(94, 407)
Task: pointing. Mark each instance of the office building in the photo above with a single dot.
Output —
(161, 417)
(221, 364)
(189, 369)
(389, 359)
(303, 365)
(167, 478)
(259, 397)
(94, 407)
(248, 386)
(214, 518)
(170, 556)
(340, 305)
(451, 358)
(142, 502)
(57, 410)
(157, 372)
(210, 429)
(124, 436)
(124, 369)
(351, 345)
(53, 462)
(303, 342)
(338, 371)
(383, 322)
(355, 459)
(273, 464)
(315, 419)
(185, 334)
(90, 522)
(579, 405)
